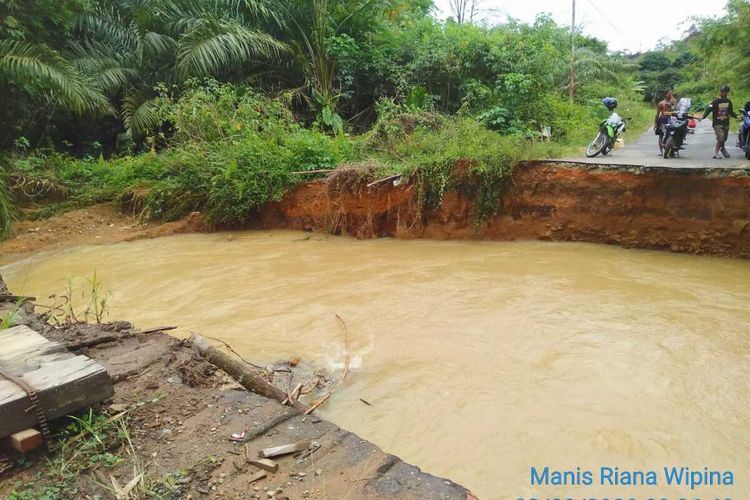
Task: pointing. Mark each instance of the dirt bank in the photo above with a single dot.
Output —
(702, 211)
(95, 225)
(687, 210)
(178, 411)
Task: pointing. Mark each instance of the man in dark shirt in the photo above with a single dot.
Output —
(722, 109)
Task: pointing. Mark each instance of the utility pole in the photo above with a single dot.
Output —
(572, 76)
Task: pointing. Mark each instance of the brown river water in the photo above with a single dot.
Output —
(481, 359)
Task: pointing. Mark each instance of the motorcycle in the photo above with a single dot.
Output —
(677, 129)
(609, 131)
(744, 134)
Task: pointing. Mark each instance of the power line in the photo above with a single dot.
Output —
(606, 18)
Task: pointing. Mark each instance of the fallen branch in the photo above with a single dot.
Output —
(104, 339)
(14, 298)
(229, 348)
(319, 171)
(251, 380)
(386, 179)
(319, 402)
(294, 395)
(156, 329)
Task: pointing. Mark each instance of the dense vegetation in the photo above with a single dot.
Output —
(211, 105)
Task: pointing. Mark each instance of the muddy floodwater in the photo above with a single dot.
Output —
(480, 360)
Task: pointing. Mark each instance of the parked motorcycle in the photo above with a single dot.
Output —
(609, 130)
(744, 134)
(677, 128)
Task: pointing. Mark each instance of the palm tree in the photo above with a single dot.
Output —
(135, 45)
(308, 27)
(24, 64)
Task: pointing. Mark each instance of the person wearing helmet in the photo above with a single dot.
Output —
(721, 109)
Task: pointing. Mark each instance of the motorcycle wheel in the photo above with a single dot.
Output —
(669, 147)
(597, 145)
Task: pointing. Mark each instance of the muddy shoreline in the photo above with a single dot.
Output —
(180, 411)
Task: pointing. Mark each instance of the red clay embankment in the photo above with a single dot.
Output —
(704, 211)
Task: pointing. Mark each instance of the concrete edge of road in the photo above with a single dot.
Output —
(645, 168)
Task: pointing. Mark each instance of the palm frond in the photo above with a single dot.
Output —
(153, 44)
(140, 112)
(214, 44)
(110, 27)
(27, 62)
(111, 70)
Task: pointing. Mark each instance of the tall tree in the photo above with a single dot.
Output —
(464, 11)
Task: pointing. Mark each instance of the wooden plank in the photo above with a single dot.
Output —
(265, 464)
(26, 440)
(63, 381)
(258, 475)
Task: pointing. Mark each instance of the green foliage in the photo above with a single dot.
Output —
(232, 151)
(225, 147)
(87, 443)
(444, 155)
(7, 207)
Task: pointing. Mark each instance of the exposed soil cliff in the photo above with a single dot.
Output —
(685, 210)
(705, 211)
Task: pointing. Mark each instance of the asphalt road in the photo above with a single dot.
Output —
(699, 148)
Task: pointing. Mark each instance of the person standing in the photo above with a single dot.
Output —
(661, 120)
(663, 112)
(721, 109)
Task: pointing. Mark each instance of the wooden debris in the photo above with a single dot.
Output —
(285, 449)
(26, 440)
(104, 339)
(258, 475)
(62, 381)
(156, 329)
(294, 395)
(318, 171)
(265, 464)
(365, 402)
(385, 179)
(319, 402)
(249, 378)
(15, 298)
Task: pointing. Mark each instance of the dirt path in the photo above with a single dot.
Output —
(95, 225)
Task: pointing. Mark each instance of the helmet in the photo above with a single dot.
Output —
(724, 88)
(610, 103)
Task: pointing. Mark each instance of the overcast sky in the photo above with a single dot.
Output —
(631, 25)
